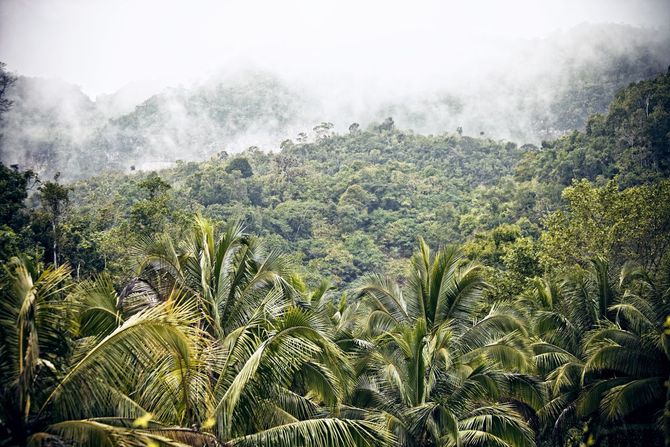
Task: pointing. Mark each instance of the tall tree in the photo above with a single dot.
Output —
(54, 199)
(14, 217)
(32, 342)
(438, 372)
(6, 82)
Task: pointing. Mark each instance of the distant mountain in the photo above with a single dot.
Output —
(193, 124)
(544, 88)
(549, 86)
(125, 99)
(49, 118)
(347, 203)
(53, 126)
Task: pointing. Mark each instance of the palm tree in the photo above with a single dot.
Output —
(599, 346)
(212, 345)
(438, 374)
(274, 369)
(226, 273)
(31, 340)
(35, 353)
(561, 312)
(627, 358)
(49, 379)
(126, 368)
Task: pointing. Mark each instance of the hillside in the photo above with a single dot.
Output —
(545, 89)
(348, 204)
(377, 287)
(355, 289)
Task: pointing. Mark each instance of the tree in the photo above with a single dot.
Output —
(628, 359)
(14, 216)
(287, 165)
(242, 165)
(215, 344)
(605, 222)
(323, 130)
(32, 331)
(150, 214)
(14, 186)
(436, 371)
(54, 199)
(270, 361)
(6, 82)
(302, 138)
(599, 345)
(154, 185)
(561, 311)
(386, 126)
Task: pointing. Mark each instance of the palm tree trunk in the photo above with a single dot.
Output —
(55, 245)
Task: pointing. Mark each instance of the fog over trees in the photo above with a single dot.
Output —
(310, 224)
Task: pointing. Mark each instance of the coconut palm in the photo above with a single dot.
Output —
(177, 376)
(32, 342)
(585, 326)
(227, 273)
(118, 375)
(255, 365)
(49, 379)
(561, 312)
(276, 372)
(627, 357)
(211, 345)
(439, 374)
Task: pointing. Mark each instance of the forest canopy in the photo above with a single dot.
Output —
(376, 287)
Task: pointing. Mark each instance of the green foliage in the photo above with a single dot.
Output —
(150, 214)
(617, 225)
(600, 348)
(34, 343)
(548, 325)
(54, 200)
(629, 141)
(6, 82)
(14, 217)
(240, 164)
(316, 195)
(395, 186)
(438, 371)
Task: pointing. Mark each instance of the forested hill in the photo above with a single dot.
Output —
(347, 204)
(376, 287)
(547, 88)
(53, 127)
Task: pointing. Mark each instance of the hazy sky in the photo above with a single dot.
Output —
(103, 45)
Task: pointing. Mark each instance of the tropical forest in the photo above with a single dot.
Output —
(257, 260)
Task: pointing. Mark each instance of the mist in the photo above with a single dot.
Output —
(103, 46)
(149, 83)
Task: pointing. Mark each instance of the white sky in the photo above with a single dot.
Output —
(104, 45)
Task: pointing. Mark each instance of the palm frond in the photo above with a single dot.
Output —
(500, 421)
(142, 340)
(318, 433)
(93, 433)
(621, 400)
(384, 295)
